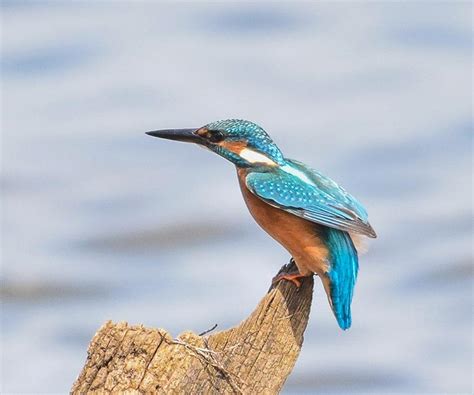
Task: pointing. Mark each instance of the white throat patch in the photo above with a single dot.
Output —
(255, 157)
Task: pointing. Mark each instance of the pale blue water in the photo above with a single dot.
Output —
(102, 222)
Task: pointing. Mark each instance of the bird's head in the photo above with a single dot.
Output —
(242, 142)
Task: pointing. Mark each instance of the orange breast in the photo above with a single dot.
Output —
(300, 237)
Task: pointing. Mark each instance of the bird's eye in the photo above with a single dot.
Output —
(215, 136)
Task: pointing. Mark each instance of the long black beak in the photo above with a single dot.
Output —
(186, 135)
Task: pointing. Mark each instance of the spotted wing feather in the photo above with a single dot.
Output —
(321, 201)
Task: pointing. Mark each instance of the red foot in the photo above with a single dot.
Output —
(293, 277)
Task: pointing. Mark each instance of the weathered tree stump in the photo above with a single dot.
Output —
(255, 357)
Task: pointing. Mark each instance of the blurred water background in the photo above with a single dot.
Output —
(102, 222)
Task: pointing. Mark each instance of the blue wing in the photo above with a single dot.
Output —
(310, 195)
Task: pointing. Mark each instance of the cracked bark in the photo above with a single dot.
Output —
(255, 357)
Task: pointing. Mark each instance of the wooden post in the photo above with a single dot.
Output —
(255, 357)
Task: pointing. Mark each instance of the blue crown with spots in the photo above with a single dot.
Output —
(253, 134)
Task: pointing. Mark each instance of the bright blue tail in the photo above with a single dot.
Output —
(342, 275)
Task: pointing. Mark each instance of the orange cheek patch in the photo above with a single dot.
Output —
(234, 146)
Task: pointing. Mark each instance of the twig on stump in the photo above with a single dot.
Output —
(255, 357)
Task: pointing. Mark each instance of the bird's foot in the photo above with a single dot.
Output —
(293, 277)
(288, 272)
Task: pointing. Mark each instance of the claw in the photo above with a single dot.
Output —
(288, 272)
(289, 277)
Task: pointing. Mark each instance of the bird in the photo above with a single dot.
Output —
(310, 215)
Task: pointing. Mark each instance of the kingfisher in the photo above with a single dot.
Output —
(311, 216)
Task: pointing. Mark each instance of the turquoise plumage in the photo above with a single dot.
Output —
(299, 190)
(308, 213)
(344, 266)
(319, 199)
